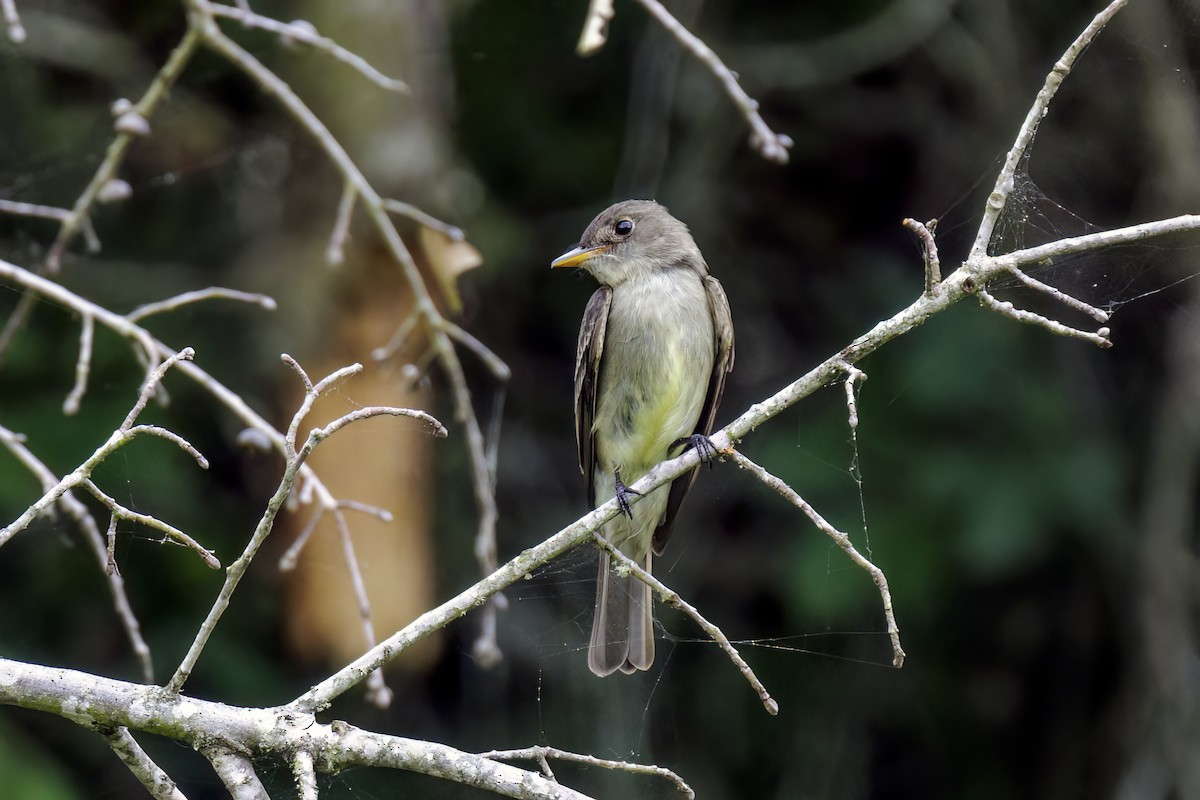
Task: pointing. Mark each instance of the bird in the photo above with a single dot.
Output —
(655, 348)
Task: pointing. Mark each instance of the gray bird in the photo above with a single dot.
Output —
(654, 349)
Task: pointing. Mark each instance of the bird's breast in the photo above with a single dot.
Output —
(655, 368)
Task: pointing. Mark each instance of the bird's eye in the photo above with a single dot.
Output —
(624, 227)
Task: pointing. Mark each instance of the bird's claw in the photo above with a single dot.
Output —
(703, 446)
(623, 493)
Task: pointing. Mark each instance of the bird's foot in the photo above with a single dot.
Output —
(623, 493)
(702, 445)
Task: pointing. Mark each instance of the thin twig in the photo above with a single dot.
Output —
(173, 437)
(12, 22)
(180, 57)
(212, 293)
(77, 511)
(454, 232)
(373, 206)
(304, 34)
(295, 459)
(493, 362)
(157, 782)
(19, 209)
(382, 514)
(933, 266)
(87, 332)
(434, 428)
(595, 27)
(153, 379)
(541, 753)
(126, 433)
(1007, 309)
(378, 693)
(121, 512)
(1005, 181)
(335, 251)
(854, 376)
(839, 538)
(1095, 241)
(672, 598)
(770, 145)
(157, 350)
(288, 562)
(399, 338)
(1067, 300)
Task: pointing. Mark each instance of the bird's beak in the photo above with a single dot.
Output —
(577, 255)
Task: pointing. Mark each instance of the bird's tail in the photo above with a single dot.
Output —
(623, 626)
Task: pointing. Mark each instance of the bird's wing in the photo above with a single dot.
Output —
(587, 381)
(718, 307)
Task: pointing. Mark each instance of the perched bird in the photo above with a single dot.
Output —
(654, 349)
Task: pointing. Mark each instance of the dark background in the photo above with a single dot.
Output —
(1030, 497)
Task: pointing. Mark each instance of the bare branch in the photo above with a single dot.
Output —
(373, 206)
(335, 251)
(318, 435)
(120, 437)
(933, 266)
(306, 34)
(854, 376)
(540, 754)
(293, 467)
(152, 381)
(157, 782)
(157, 350)
(378, 693)
(288, 562)
(398, 340)
(998, 199)
(1006, 309)
(306, 775)
(839, 538)
(211, 293)
(1066, 299)
(77, 511)
(595, 27)
(19, 209)
(493, 362)
(382, 514)
(770, 145)
(182, 443)
(244, 732)
(672, 598)
(121, 512)
(454, 232)
(236, 771)
(87, 332)
(115, 155)
(13, 27)
(1097, 241)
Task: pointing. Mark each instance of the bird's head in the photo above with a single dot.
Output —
(632, 238)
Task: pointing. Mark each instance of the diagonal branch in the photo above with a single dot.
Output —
(295, 458)
(840, 538)
(998, 199)
(376, 209)
(76, 510)
(157, 782)
(770, 145)
(672, 598)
